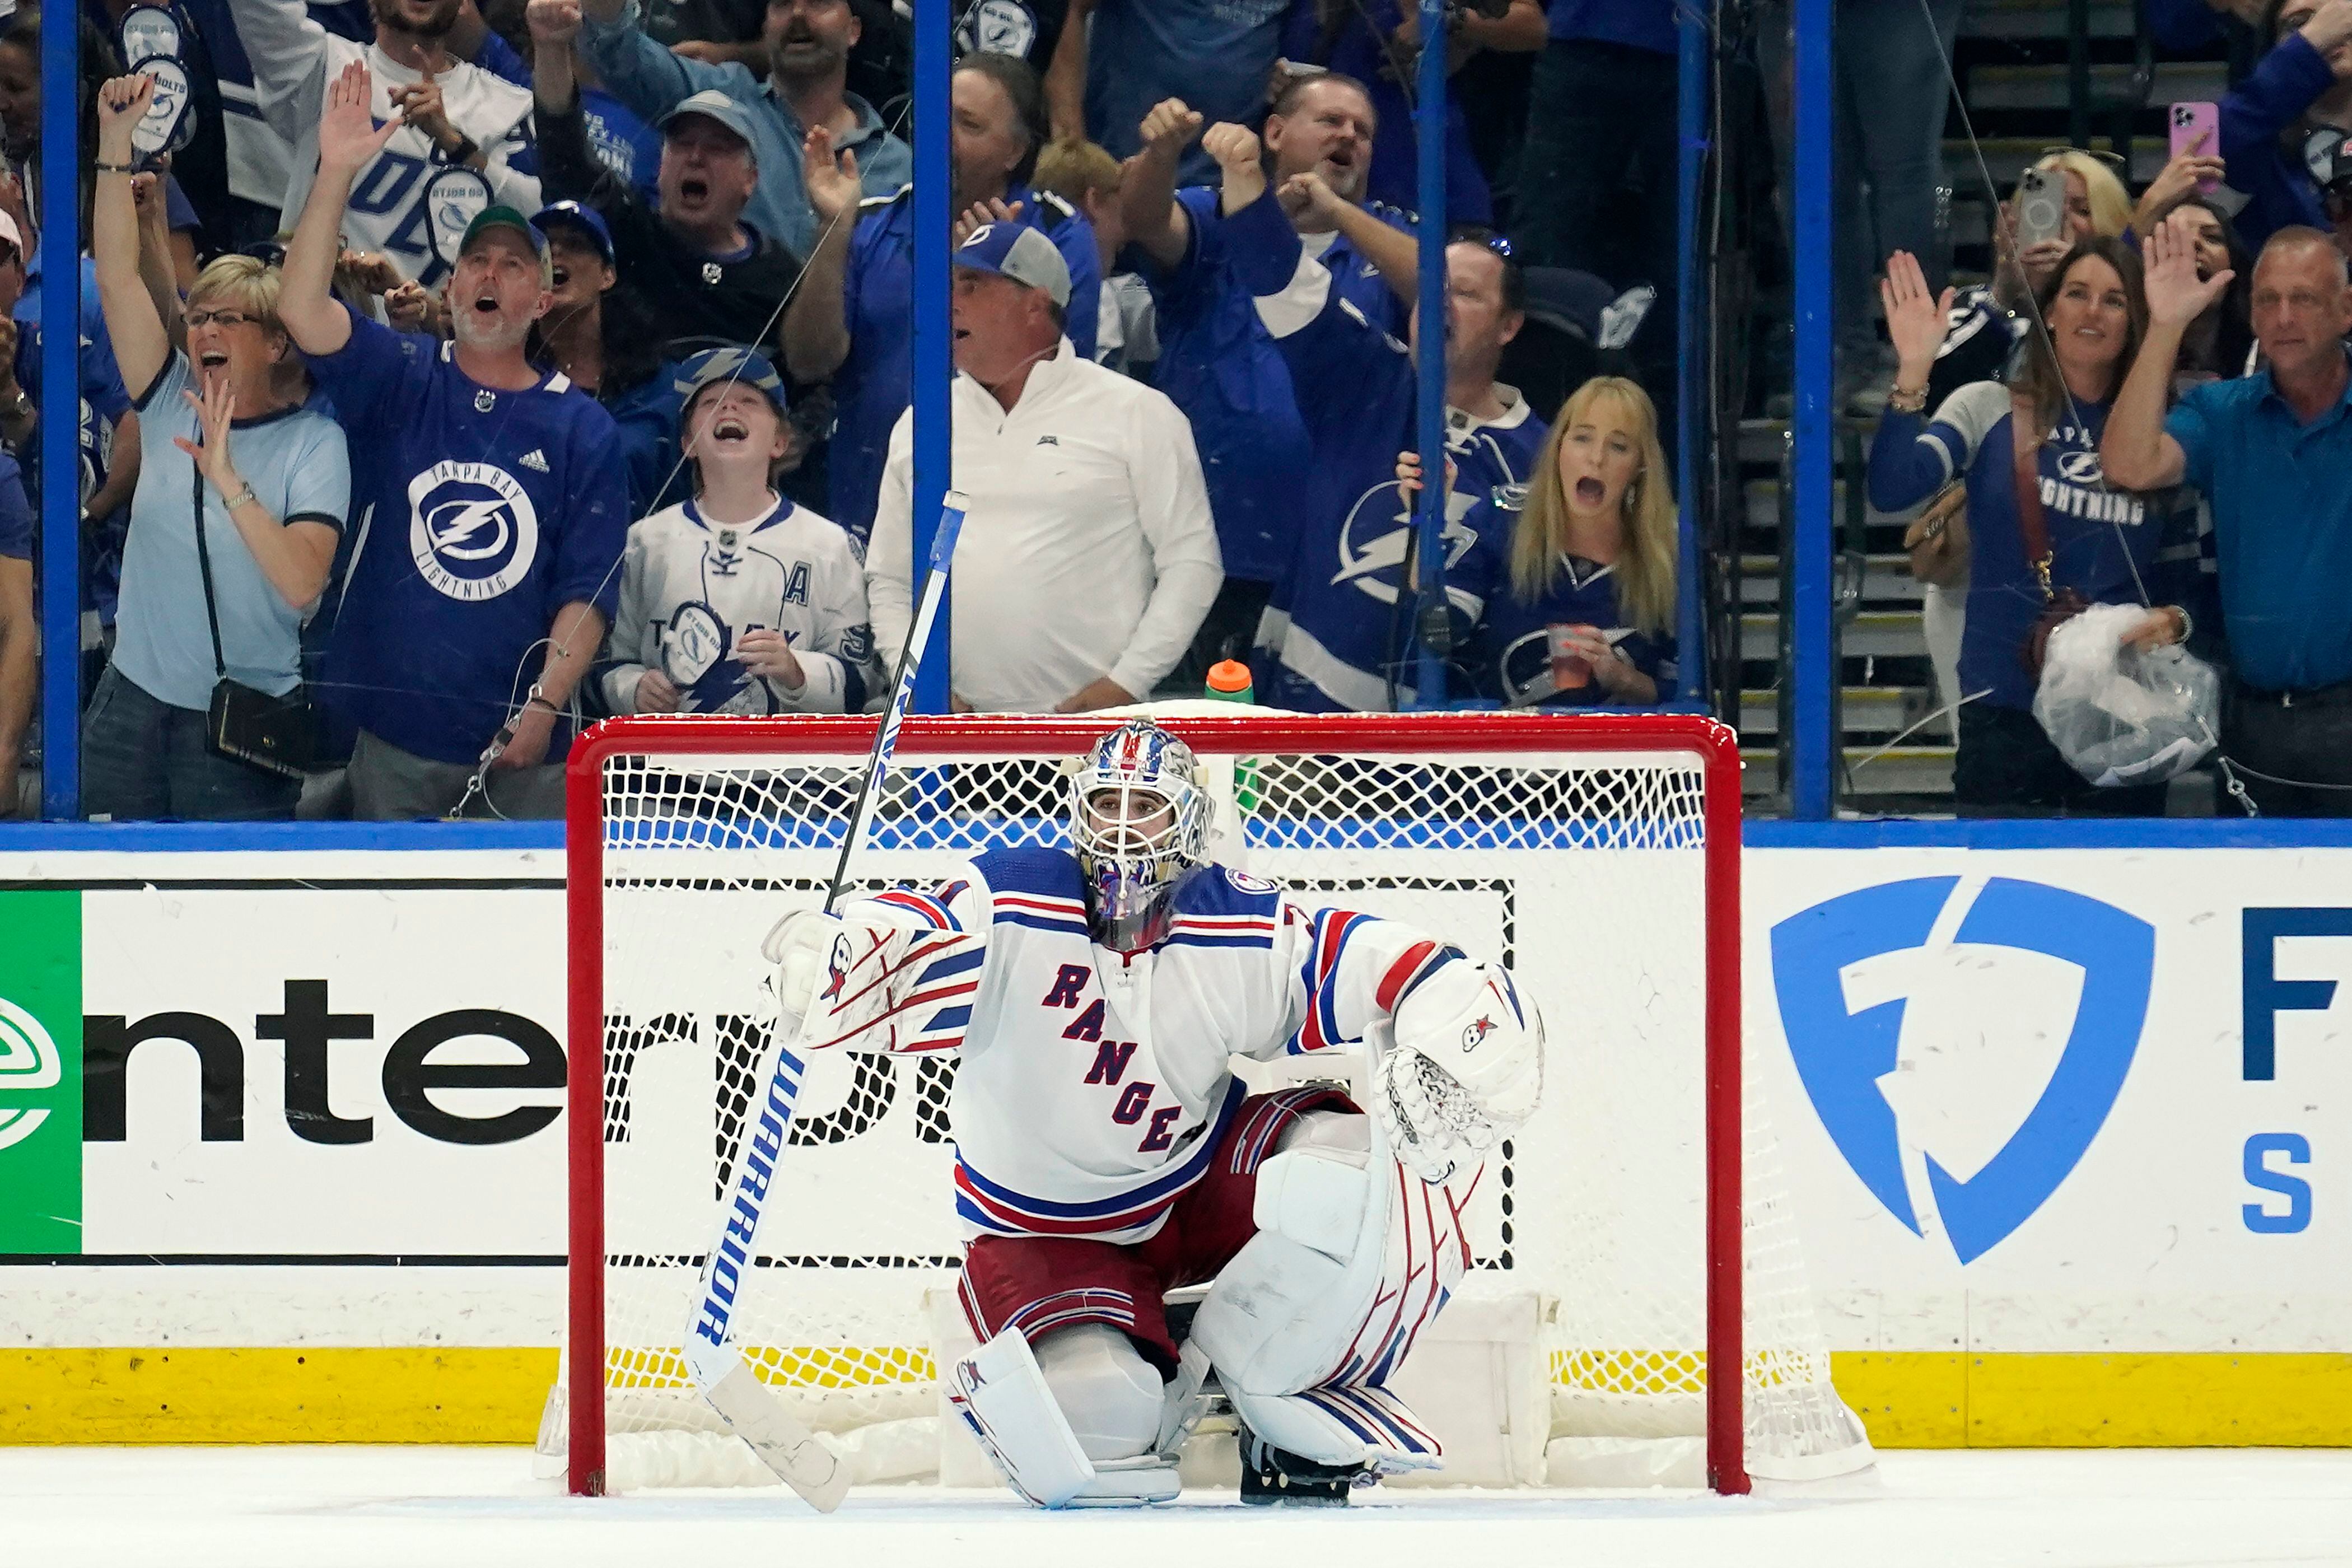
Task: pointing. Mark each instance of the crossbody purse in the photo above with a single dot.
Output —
(245, 724)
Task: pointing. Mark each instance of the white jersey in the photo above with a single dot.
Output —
(293, 60)
(1095, 1088)
(690, 588)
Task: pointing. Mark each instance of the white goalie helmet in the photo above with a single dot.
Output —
(1141, 820)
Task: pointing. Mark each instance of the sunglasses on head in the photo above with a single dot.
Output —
(2112, 160)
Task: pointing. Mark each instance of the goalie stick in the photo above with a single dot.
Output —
(799, 1458)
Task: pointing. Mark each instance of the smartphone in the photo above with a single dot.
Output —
(2196, 130)
(2041, 206)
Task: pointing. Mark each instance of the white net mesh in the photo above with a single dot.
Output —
(1582, 870)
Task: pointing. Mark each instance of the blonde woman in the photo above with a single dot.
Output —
(242, 494)
(1576, 580)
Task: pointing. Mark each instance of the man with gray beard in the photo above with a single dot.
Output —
(485, 564)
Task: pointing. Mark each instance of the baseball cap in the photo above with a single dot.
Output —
(748, 366)
(1017, 251)
(10, 231)
(502, 216)
(578, 215)
(713, 104)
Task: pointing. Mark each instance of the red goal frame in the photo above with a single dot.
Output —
(961, 737)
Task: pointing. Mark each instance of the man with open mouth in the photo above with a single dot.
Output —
(709, 271)
(498, 498)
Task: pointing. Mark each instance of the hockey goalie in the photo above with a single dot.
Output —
(1106, 1155)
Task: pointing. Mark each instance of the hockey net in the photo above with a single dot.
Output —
(1636, 1225)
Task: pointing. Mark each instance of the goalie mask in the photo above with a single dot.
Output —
(1139, 819)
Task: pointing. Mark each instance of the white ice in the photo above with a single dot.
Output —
(452, 1507)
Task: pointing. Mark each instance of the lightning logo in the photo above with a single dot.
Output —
(473, 531)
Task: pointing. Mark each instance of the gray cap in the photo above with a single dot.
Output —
(712, 104)
(1017, 251)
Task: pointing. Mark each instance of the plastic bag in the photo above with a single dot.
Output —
(2119, 716)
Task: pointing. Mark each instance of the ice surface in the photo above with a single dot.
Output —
(451, 1508)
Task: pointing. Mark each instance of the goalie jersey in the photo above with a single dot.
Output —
(1094, 1087)
(691, 586)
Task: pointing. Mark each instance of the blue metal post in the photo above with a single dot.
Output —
(60, 427)
(1429, 129)
(933, 353)
(1694, 405)
(1812, 668)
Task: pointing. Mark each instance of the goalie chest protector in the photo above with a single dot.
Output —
(1094, 1086)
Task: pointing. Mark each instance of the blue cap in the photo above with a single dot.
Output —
(747, 366)
(713, 104)
(580, 217)
(1017, 251)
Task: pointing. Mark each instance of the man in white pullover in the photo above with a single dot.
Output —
(1087, 557)
(453, 112)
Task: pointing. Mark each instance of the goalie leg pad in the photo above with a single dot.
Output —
(1352, 1256)
(1110, 1397)
(1001, 1395)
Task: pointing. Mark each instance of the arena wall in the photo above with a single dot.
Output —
(2053, 1106)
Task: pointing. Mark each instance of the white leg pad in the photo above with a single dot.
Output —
(1108, 1394)
(1352, 1256)
(1001, 1395)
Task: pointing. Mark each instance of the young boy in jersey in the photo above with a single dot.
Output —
(738, 601)
(1106, 1153)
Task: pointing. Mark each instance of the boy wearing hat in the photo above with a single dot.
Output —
(738, 601)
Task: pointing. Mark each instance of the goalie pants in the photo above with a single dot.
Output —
(1039, 1284)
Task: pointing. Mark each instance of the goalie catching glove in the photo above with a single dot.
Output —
(1465, 1071)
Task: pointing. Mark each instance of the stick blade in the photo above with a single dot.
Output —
(799, 1456)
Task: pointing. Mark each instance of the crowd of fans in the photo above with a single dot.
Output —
(454, 376)
(371, 493)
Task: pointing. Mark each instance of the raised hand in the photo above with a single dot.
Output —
(1169, 129)
(2175, 296)
(1915, 319)
(215, 411)
(421, 107)
(980, 214)
(2175, 182)
(1235, 149)
(121, 104)
(1303, 193)
(829, 179)
(348, 134)
(554, 24)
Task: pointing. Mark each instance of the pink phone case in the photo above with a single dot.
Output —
(2196, 128)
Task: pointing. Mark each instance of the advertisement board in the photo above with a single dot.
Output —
(2062, 1129)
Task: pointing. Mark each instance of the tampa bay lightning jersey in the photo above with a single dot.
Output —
(1218, 364)
(482, 513)
(1334, 636)
(1094, 1087)
(691, 586)
(876, 382)
(1510, 647)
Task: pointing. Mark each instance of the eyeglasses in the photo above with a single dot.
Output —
(225, 320)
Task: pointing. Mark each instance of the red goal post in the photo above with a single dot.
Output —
(728, 787)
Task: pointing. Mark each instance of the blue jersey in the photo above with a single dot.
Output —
(1509, 651)
(1335, 636)
(485, 513)
(876, 382)
(15, 513)
(1221, 367)
(2111, 546)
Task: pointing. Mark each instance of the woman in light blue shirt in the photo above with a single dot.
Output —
(238, 482)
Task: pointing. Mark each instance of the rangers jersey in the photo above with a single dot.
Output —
(1094, 1086)
(691, 586)
(293, 59)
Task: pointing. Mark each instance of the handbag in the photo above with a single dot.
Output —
(243, 723)
(1938, 539)
(2058, 606)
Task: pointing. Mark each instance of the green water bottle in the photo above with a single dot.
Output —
(1228, 682)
